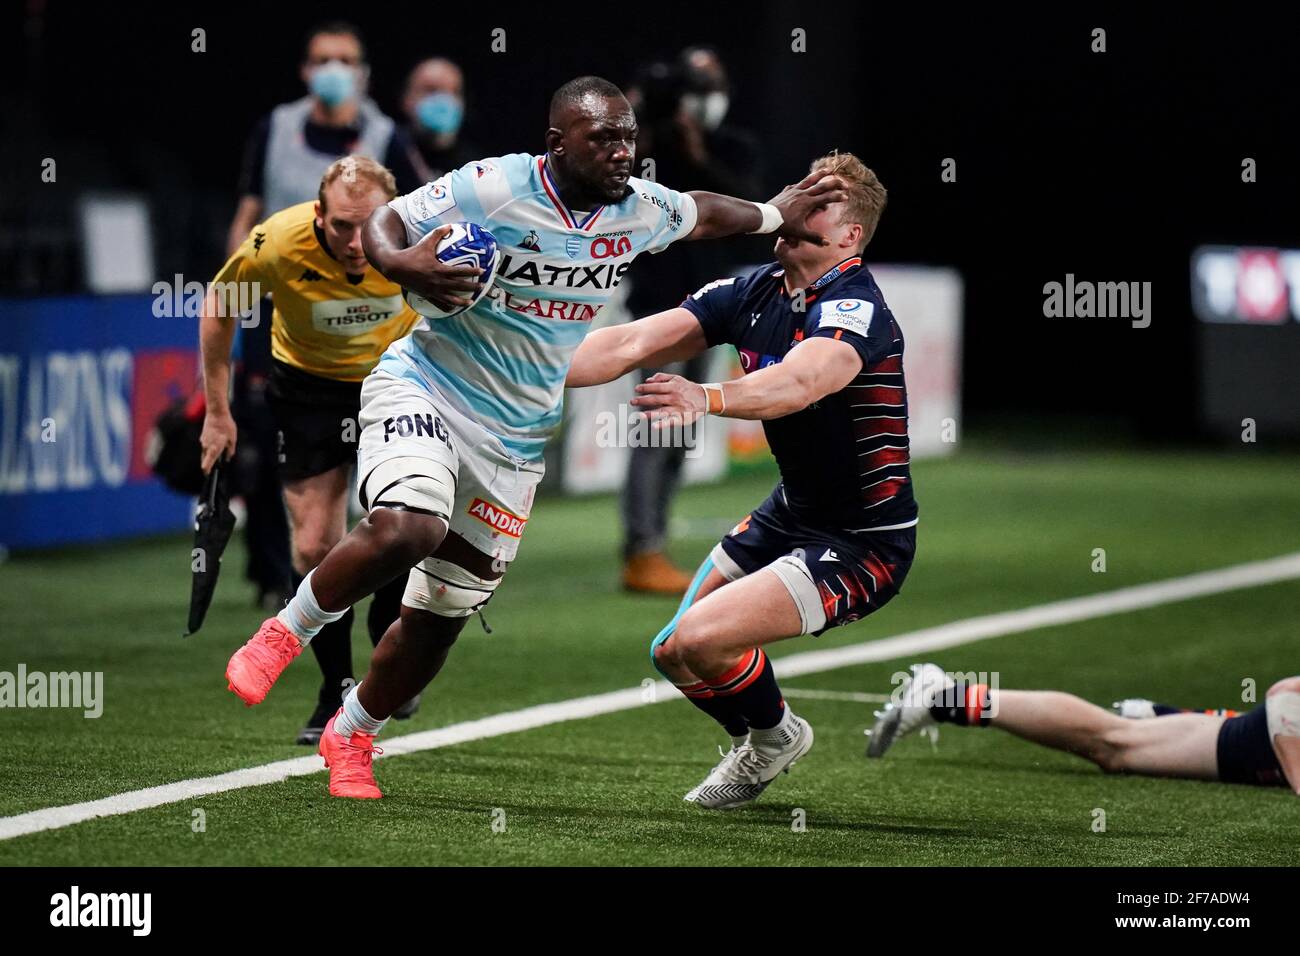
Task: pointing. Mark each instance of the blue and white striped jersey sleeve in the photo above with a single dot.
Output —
(471, 193)
(676, 214)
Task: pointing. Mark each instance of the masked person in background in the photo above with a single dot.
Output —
(434, 103)
(291, 147)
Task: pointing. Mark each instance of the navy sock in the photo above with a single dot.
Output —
(965, 705)
(751, 685)
(721, 709)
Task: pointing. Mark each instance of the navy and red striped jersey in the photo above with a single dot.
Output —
(843, 459)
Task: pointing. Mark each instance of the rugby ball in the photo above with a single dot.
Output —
(467, 243)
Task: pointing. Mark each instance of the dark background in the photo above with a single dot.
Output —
(1111, 166)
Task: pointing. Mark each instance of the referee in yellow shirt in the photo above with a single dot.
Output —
(333, 317)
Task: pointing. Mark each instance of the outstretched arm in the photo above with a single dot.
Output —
(812, 370)
(656, 340)
(785, 214)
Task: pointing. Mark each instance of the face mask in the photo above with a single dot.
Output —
(333, 83)
(440, 112)
(708, 109)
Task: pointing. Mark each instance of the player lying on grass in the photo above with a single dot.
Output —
(823, 359)
(1260, 747)
(456, 415)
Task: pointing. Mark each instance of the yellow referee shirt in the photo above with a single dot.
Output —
(325, 322)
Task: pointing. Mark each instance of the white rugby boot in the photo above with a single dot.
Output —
(746, 770)
(736, 744)
(909, 711)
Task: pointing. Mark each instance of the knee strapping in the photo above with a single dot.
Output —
(447, 589)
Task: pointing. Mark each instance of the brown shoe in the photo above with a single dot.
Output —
(653, 573)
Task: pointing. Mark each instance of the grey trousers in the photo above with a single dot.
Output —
(653, 476)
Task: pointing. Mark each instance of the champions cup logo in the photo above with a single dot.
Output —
(604, 248)
(498, 519)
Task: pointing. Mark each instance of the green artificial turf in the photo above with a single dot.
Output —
(998, 531)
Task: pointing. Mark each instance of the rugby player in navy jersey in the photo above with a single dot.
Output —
(1260, 747)
(823, 358)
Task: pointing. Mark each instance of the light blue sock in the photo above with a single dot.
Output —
(355, 719)
(304, 616)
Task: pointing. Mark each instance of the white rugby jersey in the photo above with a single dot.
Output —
(503, 362)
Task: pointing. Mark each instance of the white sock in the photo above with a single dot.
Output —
(304, 616)
(779, 737)
(355, 719)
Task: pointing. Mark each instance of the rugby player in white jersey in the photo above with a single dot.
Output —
(455, 416)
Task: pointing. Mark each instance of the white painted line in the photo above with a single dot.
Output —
(1068, 611)
(909, 646)
(856, 696)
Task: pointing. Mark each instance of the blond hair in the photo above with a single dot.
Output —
(866, 195)
(357, 173)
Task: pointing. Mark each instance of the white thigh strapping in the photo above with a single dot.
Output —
(418, 483)
(446, 589)
(728, 568)
(798, 580)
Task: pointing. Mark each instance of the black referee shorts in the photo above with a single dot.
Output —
(315, 420)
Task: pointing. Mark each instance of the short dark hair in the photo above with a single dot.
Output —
(578, 88)
(333, 28)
